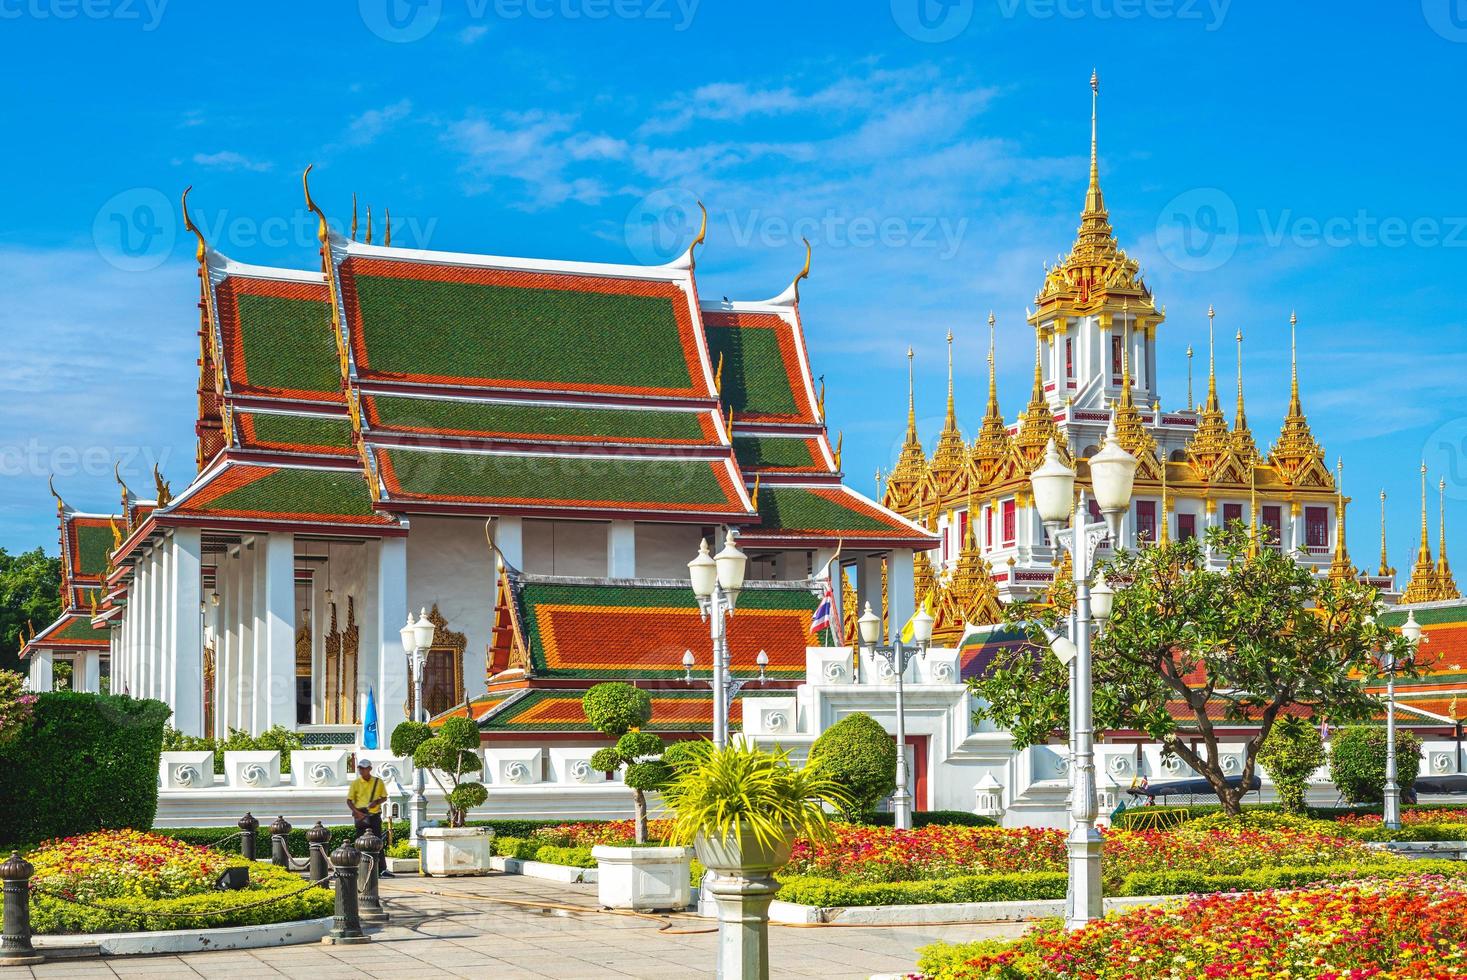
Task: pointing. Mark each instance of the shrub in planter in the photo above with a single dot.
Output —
(620, 710)
(448, 753)
(1290, 755)
(1357, 762)
(859, 756)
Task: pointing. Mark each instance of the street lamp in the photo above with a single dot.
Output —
(417, 637)
(1411, 630)
(869, 626)
(731, 686)
(717, 581)
(1112, 477)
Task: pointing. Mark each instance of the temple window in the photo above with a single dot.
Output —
(1232, 512)
(1186, 527)
(1316, 527)
(1273, 523)
(1146, 520)
(1009, 532)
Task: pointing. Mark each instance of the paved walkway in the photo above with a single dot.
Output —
(511, 927)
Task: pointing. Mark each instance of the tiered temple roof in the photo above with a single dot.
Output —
(86, 540)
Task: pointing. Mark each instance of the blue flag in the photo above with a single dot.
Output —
(369, 722)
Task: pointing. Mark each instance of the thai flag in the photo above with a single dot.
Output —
(825, 612)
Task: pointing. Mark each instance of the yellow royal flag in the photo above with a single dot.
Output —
(909, 632)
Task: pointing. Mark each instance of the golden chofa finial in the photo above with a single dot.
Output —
(323, 231)
(840, 441)
(387, 231)
(353, 215)
(60, 504)
(804, 273)
(718, 375)
(369, 224)
(188, 223)
(702, 233)
(754, 496)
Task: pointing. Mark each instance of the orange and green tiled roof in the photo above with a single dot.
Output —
(329, 435)
(72, 631)
(560, 711)
(244, 491)
(475, 709)
(979, 647)
(584, 629)
(278, 340)
(89, 542)
(636, 483)
(538, 422)
(826, 512)
(439, 324)
(777, 454)
(764, 375)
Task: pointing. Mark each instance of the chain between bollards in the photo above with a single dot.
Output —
(346, 926)
(370, 846)
(15, 944)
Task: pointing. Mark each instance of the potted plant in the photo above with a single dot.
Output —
(742, 808)
(449, 754)
(638, 877)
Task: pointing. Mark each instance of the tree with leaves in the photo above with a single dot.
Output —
(1189, 646)
(449, 752)
(30, 597)
(620, 710)
(1292, 753)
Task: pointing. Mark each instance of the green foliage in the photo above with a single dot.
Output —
(1013, 887)
(452, 752)
(53, 915)
(679, 753)
(402, 849)
(1290, 755)
(226, 839)
(932, 818)
(616, 708)
(60, 676)
(944, 961)
(276, 739)
(86, 762)
(720, 792)
(459, 732)
(606, 760)
(860, 757)
(1257, 879)
(648, 776)
(17, 706)
(466, 796)
(407, 736)
(30, 596)
(1357, 762)
(1265, 632)
(639, 745)
(532, 850)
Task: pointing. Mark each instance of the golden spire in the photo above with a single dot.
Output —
(904, 483)
(1242, 436)
(911, 400)
(1294, 407)
(353, 215)
(1211, 441)
(1164, 536)
(1385, 565)
(1131, 432)
(1296, 448)
(1252, 509)
(1340, 567)
(992, 443)
(1036, 423)
(369, 224)
(1446, 586)
(1190, 403)
(1422, 587)
(951, 416)
(950, 453)
(1094, 221)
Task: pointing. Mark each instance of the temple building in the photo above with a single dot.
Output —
(1096, 327)
(530, 450)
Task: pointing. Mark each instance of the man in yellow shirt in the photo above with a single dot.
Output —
(365, 796)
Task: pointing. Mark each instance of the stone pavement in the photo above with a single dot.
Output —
(509, 927)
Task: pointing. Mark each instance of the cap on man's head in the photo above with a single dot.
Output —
(364, 763)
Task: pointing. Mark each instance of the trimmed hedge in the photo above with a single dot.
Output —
(1187, 882)
(54, 915)
(1170, 816)
(830, 892)
(87, 762)
(528, 850)
(931, 818)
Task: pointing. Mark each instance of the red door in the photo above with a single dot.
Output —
(917, 770)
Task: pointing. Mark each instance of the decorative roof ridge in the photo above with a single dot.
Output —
(707, 453)
(788, 300)
(373, 387)
(551, 445)
(757, 585)
(221, 267)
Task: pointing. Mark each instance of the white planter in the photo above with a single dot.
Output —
(456, 850)
(643, 878)
(402, 866)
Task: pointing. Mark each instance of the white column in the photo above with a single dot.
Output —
(260, 639)
(899, 584)
(244, 661)
(168, 627)
(41, 666)
(510, 538)
(868, 584)
(621, 549)
(148, 586)
(275, 699)
(390, 593)
(372, 645)
(186, 686)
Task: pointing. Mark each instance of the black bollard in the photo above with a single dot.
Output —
(249, 828)
(370, 845)
(317, 837)
(15, 944)
(279, 853)
(346, 927)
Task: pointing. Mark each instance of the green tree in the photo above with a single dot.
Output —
(1188, 646)
(449, 752)
(1290, 755)
(620, 711)
(859, 756)
(1357, 761)
(30, 596)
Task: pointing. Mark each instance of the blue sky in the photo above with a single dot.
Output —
(1257, 156)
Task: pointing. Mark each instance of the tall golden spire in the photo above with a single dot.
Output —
(1243, 442)
(1296, 453)
(1036, 423)
(1446, 586)
(1422, 587)
(1095, 242)
(950, 454)
(1211, 441)
(992, 443)
(1094, 200)
(904, 483)
(1385, 564)
(1164, 536)
(1131, 432)
(1340, 567)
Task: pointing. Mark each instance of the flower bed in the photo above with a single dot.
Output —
(131, 881)
(1412, 927)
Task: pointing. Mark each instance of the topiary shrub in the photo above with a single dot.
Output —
(450, 754)
(620, 710)
(407, 736)
(859, 756)
(1290, 755)
(1357, 762)
(83, 762)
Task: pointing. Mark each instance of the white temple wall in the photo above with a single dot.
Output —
(664, 550)
(449, 562)
(565, 547)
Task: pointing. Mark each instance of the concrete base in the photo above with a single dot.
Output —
(20, 961)
(954, 913)
(450, 851)
(402, 866)
(549, 872)
(644, 879)
(188, 940)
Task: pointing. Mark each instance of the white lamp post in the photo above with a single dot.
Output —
(717, 581)
(417, 637)
(1112, 475)
(869, 626)
(1411, 630)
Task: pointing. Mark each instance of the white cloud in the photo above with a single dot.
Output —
(365, 128)
(472, 34)
(230, 160)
